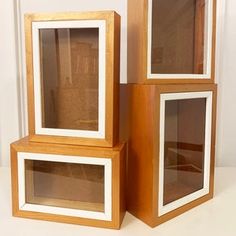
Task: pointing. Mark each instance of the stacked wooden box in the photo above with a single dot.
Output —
(71, 167)
(171, 60)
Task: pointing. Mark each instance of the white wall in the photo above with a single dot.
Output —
(226, 130)
(9, 109)
(11, 118)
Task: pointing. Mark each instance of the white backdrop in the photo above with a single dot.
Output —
(226, 130)
(12, 82)
(9, 108)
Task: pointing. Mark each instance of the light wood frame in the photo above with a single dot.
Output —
(112, 24)
(116, 156)
(144, 148)
(138, 48)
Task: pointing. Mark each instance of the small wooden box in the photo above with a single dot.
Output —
(171, 149)
(73, 77)
(70, 184)
(171, 42)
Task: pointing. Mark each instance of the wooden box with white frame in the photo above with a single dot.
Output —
(70, 184)
(171, 149)
(171, 41)
(73, 77)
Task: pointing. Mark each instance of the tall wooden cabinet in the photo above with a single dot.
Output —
(71, 167)
(172, 97)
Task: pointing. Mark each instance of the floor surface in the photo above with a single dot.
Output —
(214, 218)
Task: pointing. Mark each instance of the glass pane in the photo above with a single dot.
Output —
(178, 35)
(77, 186)
(69, 76)
(184, 147)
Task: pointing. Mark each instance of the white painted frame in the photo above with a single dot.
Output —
(163, 209)
(106, 162)
(101, 25)
(207, 47)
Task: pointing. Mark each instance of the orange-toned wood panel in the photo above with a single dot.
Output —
(142, 147)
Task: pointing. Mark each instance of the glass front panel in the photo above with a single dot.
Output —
(66, 185)
(184, 147)
(179, 37)
(69, 78)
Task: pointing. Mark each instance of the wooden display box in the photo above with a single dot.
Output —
(70, 184)
(73, 77)
(171, 41)
(171, 149)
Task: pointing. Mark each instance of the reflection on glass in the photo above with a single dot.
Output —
(178, 37)
(69, 78)
(184, 147)
(67, 185)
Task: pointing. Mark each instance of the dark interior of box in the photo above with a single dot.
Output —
(69, 78)
(184, 147)
(69, 185)
(178, 37)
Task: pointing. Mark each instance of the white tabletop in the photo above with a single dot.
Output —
(214, 218)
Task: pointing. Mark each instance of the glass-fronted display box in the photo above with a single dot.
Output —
(64, 183)
(73, 77)
(171, 149)
(171, 41)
